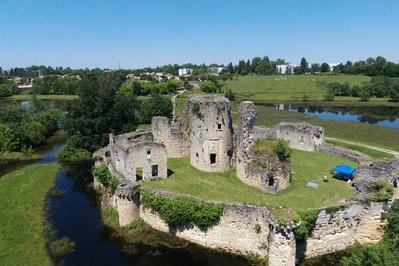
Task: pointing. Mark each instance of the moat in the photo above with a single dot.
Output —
(77, 215)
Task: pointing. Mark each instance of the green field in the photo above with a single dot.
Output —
(228, 188)
(23, 216)
(289, 88)
(27, 97)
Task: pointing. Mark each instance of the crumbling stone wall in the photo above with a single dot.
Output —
(173, 135)
(241, 228)
(369, 174)
(282, 247)
(301, 136)
(334, 231)
(211, 132)
(131, 155)
(344, 152)
(264, 172)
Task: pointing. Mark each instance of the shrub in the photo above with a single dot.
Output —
(384, 191)
(71, 153)
(208, 86)
(307, 221)
(282, 150)
(329, 97)
(61, 247)
(105, 177)
(183, 211)
(229, 95)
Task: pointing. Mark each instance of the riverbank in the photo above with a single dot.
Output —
(38, 153)
(23, 223)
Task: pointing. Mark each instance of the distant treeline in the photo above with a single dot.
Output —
(378, 66)
(378, 87)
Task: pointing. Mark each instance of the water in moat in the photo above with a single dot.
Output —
(76, 215)
(381, 115)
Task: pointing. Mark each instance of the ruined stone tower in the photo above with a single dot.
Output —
(245, 136)
(211, 132)
(263, 171)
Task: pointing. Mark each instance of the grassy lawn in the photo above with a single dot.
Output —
(22, 215)
(26, 97)
(370, 152)
(228, 188)
(288, 88)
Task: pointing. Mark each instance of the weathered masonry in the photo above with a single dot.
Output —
(210, 133)
(265, 172)
(135, 157)
(301, 136)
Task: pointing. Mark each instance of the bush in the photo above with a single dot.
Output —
(208, 86)
(282, 150)
(230, 95)
(70, 152)
(384, 191)
(183, 211)
(105, 177)
(61, 247)
(307, 221)
(35, 132)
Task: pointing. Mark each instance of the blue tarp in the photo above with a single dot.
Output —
(344, 171)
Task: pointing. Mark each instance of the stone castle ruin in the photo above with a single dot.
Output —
(264, 172)
(205, 133)
(301, 136)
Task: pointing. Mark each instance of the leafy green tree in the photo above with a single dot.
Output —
(8, 139)
(324, 68)
(35, 132)
(156, 106)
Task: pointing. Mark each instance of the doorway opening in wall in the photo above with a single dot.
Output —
(154, 170)
(212, 158)
(270, 182)
(139, 173)
(301, 141)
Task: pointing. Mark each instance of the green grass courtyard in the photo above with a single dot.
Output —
(227, 187)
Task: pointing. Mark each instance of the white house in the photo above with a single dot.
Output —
(185, 72)
(285, 68)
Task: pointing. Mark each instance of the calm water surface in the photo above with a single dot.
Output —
(76, 215)
(381, 115)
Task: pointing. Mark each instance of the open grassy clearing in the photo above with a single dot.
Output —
(22, 215)
(228, 188)
(27, 97)
(370, 152)
(288, 88)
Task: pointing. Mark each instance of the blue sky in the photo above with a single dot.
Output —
(99, 33)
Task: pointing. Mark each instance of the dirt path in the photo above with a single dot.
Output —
(365, 145)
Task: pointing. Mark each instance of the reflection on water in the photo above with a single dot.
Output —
(77, 216)
(380, 115)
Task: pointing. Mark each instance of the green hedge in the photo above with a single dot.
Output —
(183, 211)
(105, 177)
